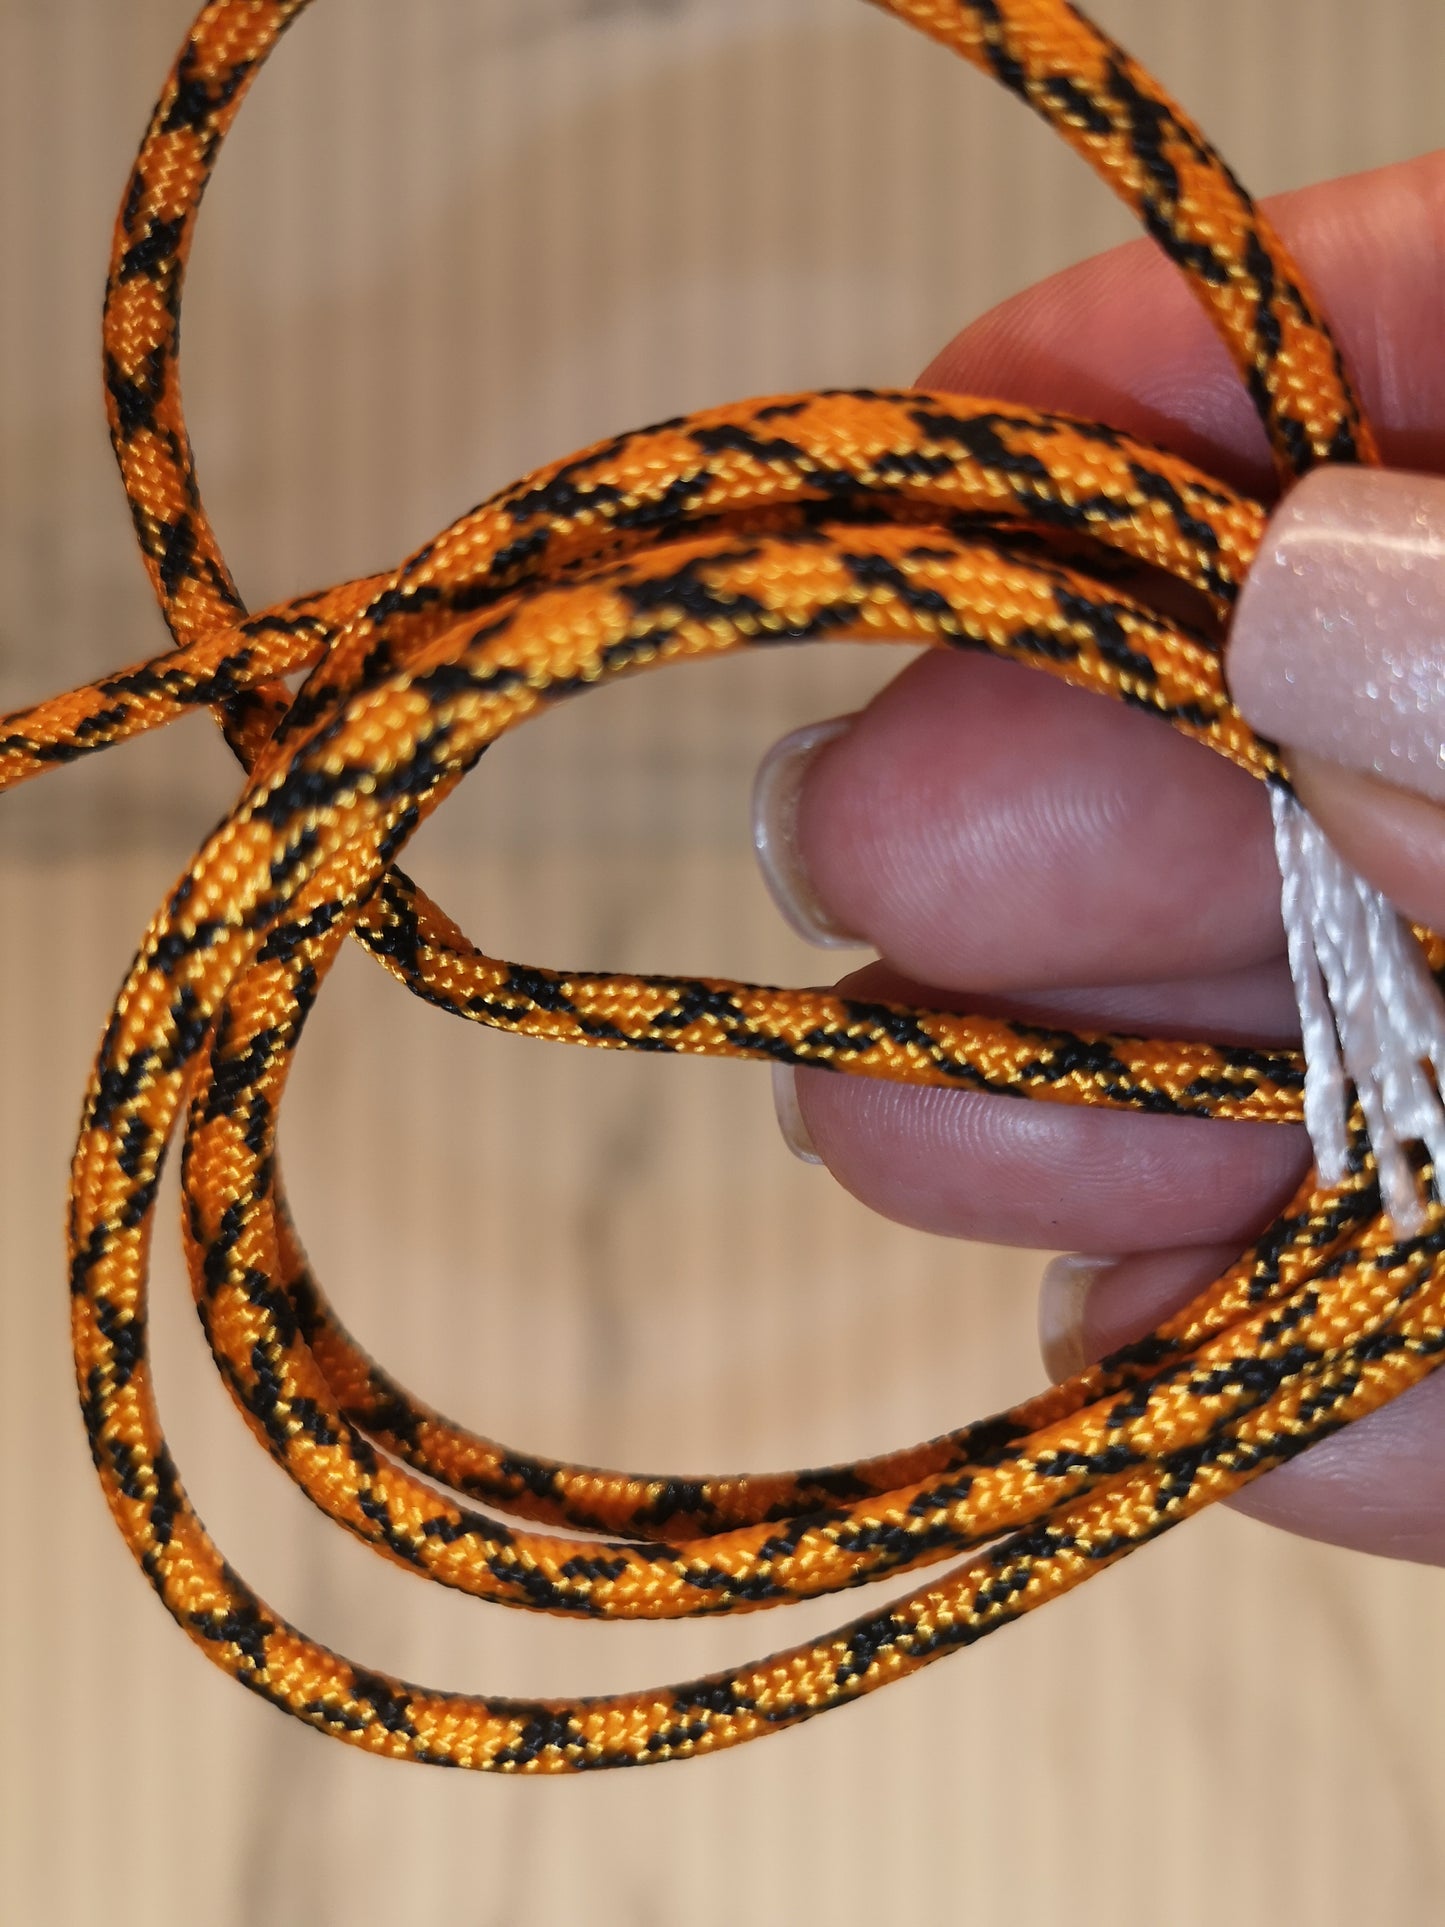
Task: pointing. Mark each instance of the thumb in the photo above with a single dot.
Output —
(1337, 652)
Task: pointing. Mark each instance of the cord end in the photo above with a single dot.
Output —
(1371, 1017)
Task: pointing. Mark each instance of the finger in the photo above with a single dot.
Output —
(1375, 1488)
(1121, 338)
(945, 845)
(965, 1164)
(980, 825)
(971, 1165)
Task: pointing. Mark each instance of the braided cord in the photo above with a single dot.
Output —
(955, 523)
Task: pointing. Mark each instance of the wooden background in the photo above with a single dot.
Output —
(453, 239)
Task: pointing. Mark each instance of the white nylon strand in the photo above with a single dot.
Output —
(1371, 1014)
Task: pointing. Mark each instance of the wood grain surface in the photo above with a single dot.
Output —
(452, 239)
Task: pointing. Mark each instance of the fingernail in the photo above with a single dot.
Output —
(776, 790)
(1063, 1291)
(790, 1116)
(1338, 643)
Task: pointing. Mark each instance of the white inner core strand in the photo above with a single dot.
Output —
(1371, 1014)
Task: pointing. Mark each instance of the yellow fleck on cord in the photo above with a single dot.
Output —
(958, 523)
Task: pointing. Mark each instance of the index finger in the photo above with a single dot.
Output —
(1121, 338)
(923, 830)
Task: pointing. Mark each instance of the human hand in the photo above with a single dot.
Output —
(1009, 844)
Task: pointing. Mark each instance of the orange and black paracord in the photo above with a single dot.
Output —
(923, 517)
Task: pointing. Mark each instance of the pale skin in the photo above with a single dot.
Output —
(1003, 841)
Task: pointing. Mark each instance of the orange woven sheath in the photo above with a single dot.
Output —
(952, 522)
